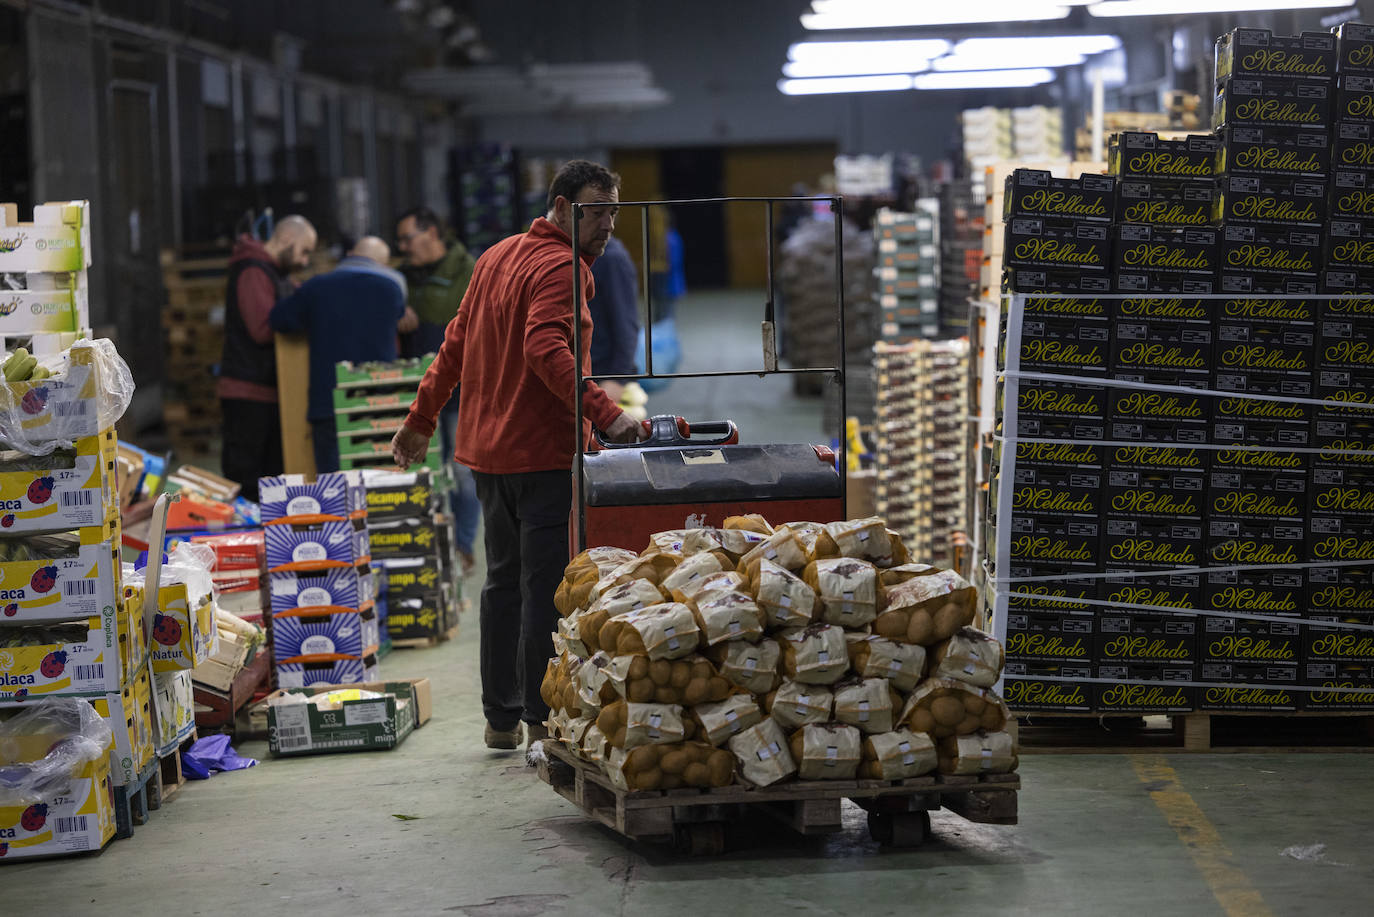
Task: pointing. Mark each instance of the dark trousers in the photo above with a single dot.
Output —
(252, 443)
(324, 434)
(526, 518)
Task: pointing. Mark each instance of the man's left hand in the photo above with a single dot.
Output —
(624, 429)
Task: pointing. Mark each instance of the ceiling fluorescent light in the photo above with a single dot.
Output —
(844, 58)
(985, 79)
(887, 83)
(1110, 8)
(1031, 51)
(881, 14)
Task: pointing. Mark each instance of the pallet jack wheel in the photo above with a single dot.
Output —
(899, 829)
(705, 838)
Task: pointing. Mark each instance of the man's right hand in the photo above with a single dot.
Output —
(624, 429)
(408, 447)
(409, 321)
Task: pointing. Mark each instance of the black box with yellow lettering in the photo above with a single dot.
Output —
(1243, 542)
(1182, 345)
(1347, 281)
(1339, 639)
(1342, 590)
(1272, 101)
(1141, 636)
(1261, 53)
(1352, 194)
(1343, 686)
(1143, 155)
(1056, 280)
(1056, 242)
(1154, 259)
(1046, 636)
(1342, 440)
(1338, 657)
(1350, 244)
(1336, 539)
(1166, 202)
(400, 494)
(1278, 199)
(1155, 493)
(1248, 687)
(1049, 542)
(1141, 688)
(1354, 47)
(1150, 591)
(408, 536)
(1143, 544)
(1237, 641)
(1142, 415)
(1060, 410)
(1048, 686)
(1277, 591)
(1355, 97)
(417, 616)
(1256, 495)
(1352, 146)
(1265, 358)
(1053, 589)
(1060, 345)
(1251, 150)
(1259, 257)
(1067, 493)
(1037, 193)
(1343, 491)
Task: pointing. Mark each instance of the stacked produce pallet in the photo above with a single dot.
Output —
(371, 401)
(193, 329)
(324, 620)
(807, 331)
(44, 299)
(487, 204)
(961, 251)
(908, 272)
(412, 543)
(760, 656)
(242, 667)
(921, 435)
(1029, 134)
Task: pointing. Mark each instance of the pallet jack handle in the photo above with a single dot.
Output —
(669, 430)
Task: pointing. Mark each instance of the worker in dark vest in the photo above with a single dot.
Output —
(259, 276)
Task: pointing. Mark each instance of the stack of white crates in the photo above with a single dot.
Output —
(921, 436)
(44, 300)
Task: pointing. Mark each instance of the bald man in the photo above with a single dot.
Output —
(350, 313)
(259, 277)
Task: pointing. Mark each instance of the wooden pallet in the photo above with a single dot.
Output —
(171, 778)
(412, 643)
(695, 820)
(1227, 732)
(134, 802)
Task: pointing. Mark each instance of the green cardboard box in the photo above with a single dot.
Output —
(366, 724)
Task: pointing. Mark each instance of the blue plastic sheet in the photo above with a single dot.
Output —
(211, 755)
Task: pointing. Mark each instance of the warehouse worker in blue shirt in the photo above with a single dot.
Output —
(350, 313)
(615, 316)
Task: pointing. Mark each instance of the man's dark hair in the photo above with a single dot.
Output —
(424, 219)
(576, 174)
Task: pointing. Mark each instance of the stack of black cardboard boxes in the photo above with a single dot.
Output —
(413, 543)
(1279, 178)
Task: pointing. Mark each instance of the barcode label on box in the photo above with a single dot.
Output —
(292, 729)
(293, 737)
(90, 672)
(70, 408)
(78, 498)
(76, 824)
(81, 587)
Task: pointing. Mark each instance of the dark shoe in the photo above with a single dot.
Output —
(502, 740)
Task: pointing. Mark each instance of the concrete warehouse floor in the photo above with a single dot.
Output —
(1195, 835)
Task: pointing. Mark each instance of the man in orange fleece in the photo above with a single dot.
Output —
(511, 348)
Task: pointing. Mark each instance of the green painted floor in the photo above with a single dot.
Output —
(1099, 835)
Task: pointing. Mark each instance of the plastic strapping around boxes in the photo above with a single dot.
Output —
(78, 736)
(104, 383)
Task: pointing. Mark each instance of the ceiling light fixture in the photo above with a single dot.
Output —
(1110, 8)
(985, 79)
(881, 14)
(1030, 51)
(846, 58)
(887, 83)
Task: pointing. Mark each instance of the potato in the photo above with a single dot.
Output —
(696, 692)
(898, 550)
(992, 719)
(665, 695)
(639, 667)
(649, 780)
(630, 642)
(921, 629)
(948, 620)
(798, 743)
(717, 688)
(640, 691)
(546, 687)
(661, 672)
(969, 724)
(921, 720)
(617, 739)
(608, 721)
(681, 675)
(892, 625)
(974, 705)
(750, 523)
(947, 710)
(674, 762)
(696, 774)
(562, 599)
(721, 767)
(823, 547)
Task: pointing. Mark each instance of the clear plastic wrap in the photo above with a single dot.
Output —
(45, 744)
(89, 390)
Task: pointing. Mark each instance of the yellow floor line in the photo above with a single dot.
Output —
(1233, 891)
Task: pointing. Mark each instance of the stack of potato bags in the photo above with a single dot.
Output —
(809, 651)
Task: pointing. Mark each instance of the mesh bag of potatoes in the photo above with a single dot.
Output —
(898, 755)
(942, 707)
(583, 573)
(796, 704)
(784, 597)
(816, 654)
(763, 754)
(666, 631)
(719, 721)
(864, 539)
(670, 767)
(628, 725)
(869, 704)
(970, 655)
(687, 682)
(594, 746)
(926, 608)
(734, 542)
(696, 567)
(724, 581)
(826, 751)
(871, 656)
(725, 616)
(751, 666)
(782, 548)
(592, 684)
(847, 590)
(979, 753)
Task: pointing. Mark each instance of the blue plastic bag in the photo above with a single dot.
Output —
(211, 755)
(667, 354)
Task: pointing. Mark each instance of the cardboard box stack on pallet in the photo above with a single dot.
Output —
(908, 272)
(371, 401)
(324, 620)
(242, 666)
(193, 328)
(412, 543)
(44, 305)
(922, 410)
